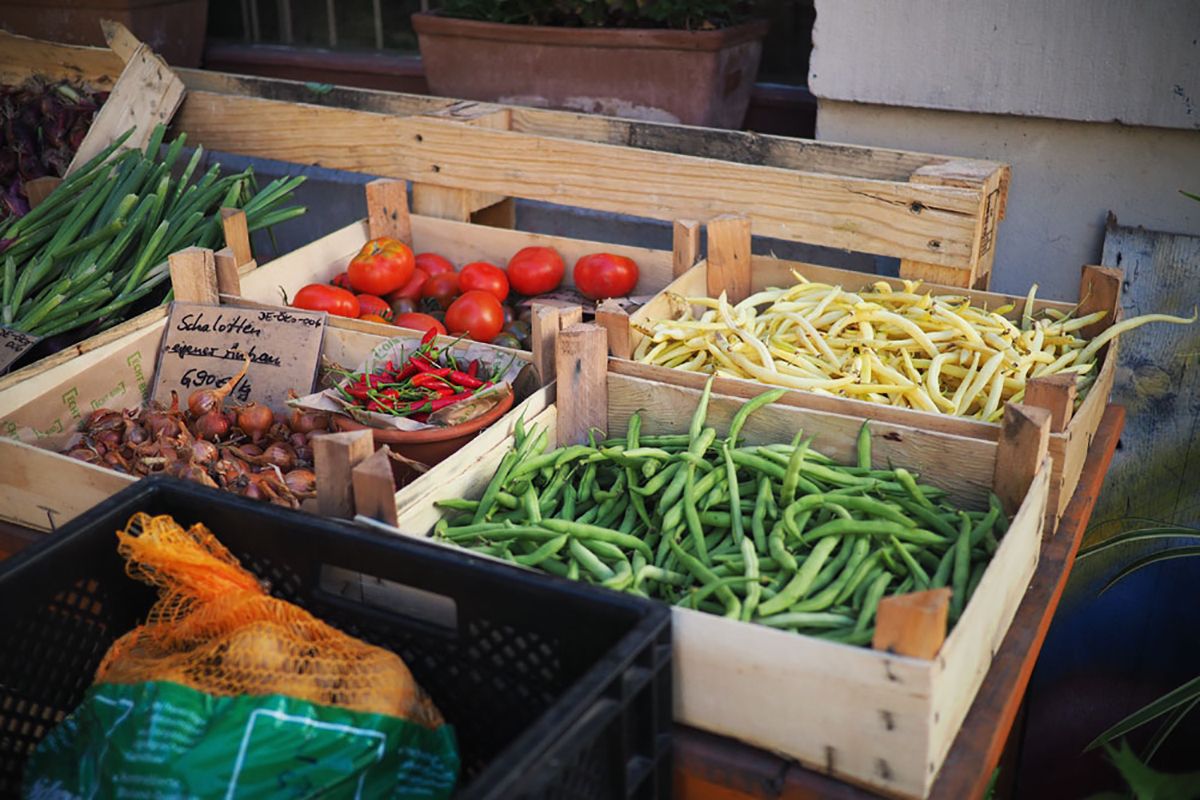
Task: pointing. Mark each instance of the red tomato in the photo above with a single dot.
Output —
(370, 305)
(342, 280)
(412, 289)
(374, 318)
(381, 267)
(536, 270)
(602, 275)
(485, 277)
(419, 322)
(433, 264)
(476, 313)
(323, 297)
(441, 288)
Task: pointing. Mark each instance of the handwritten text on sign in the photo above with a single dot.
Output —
(13, 345)
(206, 346)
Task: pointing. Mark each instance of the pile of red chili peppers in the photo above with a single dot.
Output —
(422, 383)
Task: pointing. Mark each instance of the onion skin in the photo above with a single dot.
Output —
(255, 420)
(303, 421)
(212, 426)
(202, 401)
(302, 482)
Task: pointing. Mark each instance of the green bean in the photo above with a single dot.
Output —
(905, 478)
(589, 561)
(622, 577)
(797, 588)
(871, 601)
(758, 463)
(863, 447)
(792, 476)
(805, 619)
(919, 576)
(778, 551)
(760, 512)
(550, 548)
(930, 517)
(733, 606)
(962, 568)
(701, 413)
(748, 408)
(579, 530)
(660, 479)
(735, 499)
(840, 527)
(753, 587)
(941, 577)
(700, 593)
(848, 635)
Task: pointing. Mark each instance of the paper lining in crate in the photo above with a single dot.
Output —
(1072, 428)
(43, 489)
(862, 715)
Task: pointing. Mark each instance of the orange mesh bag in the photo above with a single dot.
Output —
(216, 630)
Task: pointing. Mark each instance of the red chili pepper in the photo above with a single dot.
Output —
(406, 372)
(465, 380)
(473, 368)
(429, 336)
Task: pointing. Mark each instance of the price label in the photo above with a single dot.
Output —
(205, 347)
(13, 345)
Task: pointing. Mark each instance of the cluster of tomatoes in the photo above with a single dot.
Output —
(387, 283)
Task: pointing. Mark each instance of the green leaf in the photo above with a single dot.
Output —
(1189, 194)
(1149, 784)
(1163, 555)
(318, 88)
(1186, 693)
(1165, 728)
(1141, 535)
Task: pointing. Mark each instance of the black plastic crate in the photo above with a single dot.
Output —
(556, 689)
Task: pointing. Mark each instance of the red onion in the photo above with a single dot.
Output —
(301, 482)
(202, 401)
(278, 454)
(303, 421)
(204, 452)
(212, 426)
(255, 420)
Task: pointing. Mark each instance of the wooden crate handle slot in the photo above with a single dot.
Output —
(1024, 439)
(1056, 394)
(335, 455)
(1099, 290)
(615, 320)
(729, 257)
(545, 323)
(912, 624)
(375, 488)
(581, 367)
(194, 276)
(387, 210)
(685, 246)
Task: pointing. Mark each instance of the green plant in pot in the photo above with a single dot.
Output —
(687, 61)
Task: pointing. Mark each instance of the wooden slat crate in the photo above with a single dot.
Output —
(42, 489)
(1072, 429)
(866, 716)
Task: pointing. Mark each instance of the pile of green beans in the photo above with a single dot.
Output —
(777, 534)
(99, 242)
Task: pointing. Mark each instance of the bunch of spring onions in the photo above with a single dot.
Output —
(99, 243)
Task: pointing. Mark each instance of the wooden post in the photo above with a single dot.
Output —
(194, 276)
(581, 365)
(1024, 438)
(375, 488)
(387, 210)
(729, 257)
(546, 321)
(119, 39)
(1099, 290)
(237, 234)
(334, 457)
(1056, 394)
(685, 246)
(912, 624)
(615, 320)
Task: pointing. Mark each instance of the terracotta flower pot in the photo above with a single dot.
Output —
(692, 77)
(431, 445)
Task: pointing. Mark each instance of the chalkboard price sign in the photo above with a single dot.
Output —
(205, 346)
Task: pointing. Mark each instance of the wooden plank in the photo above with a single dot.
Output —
(912, 624)
(387, 210)
(1099, 290)
(146, 93)
(334, 457)
(375, 487)
(38, 189)
(546, 323)
(1056, 394)
(21, 57)
(465, 204)
(120, 40)
(580, 357)
(615, 321)
(1024, 440)
(237, 235)
(41, 489)
(229, 275)
(729, 257)
(194, 276)
(685, 245)
(781, 203)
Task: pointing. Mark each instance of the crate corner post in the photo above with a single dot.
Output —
(581, 374)
(335, 455)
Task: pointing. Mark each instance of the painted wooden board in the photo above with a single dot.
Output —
(1156, 473)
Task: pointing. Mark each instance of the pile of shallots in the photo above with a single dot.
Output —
(247, 450)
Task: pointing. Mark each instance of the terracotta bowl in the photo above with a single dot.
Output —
(431, 445)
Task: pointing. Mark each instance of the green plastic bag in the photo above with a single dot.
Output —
(160, 740)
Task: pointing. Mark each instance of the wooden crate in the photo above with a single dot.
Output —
(42, 489)
(937, 214)
(867, 716)
(1072, 429)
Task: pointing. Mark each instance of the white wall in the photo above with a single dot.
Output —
(1133, 61)
(1066, 176)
